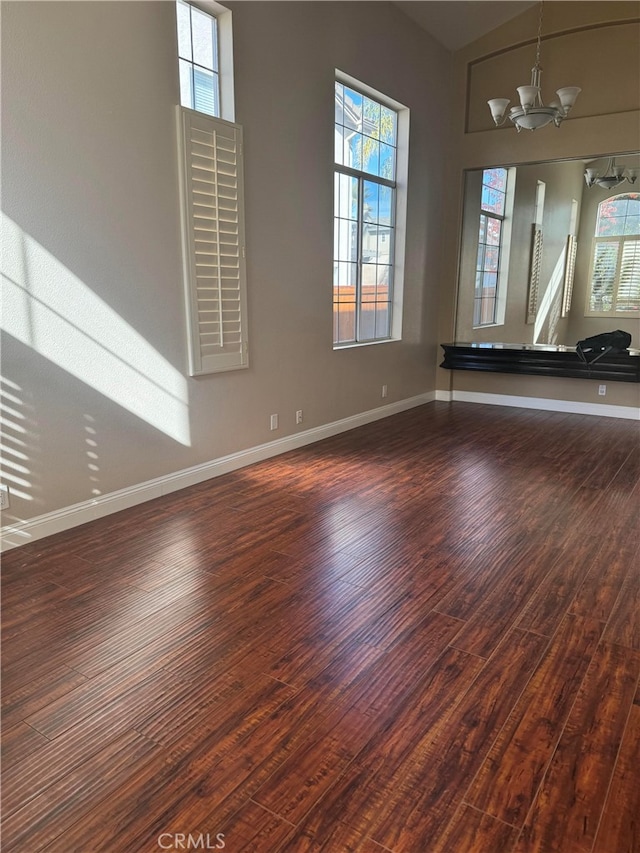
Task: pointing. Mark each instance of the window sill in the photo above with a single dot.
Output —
(359, 344)
(620, 315)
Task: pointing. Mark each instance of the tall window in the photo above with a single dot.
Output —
(198, 59)
(366, 149)
(490, 242)
(614, 283)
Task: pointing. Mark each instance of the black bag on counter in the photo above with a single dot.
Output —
(591, 349)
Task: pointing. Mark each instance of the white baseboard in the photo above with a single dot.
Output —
(601, 409)
(22, 532)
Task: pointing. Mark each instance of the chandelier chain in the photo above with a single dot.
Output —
(539, 34)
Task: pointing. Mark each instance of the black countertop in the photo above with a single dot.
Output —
(540, 360)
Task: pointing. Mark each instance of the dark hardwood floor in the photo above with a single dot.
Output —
(421, 636)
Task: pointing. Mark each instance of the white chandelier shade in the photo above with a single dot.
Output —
(532, 112)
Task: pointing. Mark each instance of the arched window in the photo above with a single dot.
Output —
(614, 282)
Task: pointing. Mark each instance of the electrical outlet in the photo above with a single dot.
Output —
(4, 496)
(274, 422)
(299, 416)
(384, 390)
(602, 390)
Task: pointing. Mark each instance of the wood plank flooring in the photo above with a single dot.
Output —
(421, 636)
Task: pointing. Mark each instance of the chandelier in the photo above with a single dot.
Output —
(612, 177)
(532, 113)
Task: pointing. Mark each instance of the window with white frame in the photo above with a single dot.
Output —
(212, 196)
(614, 280)
(198, 59)
(490, 257)
(366, 284)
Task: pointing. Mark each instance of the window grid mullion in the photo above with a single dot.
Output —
(358, 173)
(192, 70)
(359, 256)
(492, 214)
(204, 68)
(191, 64)
(497, 272)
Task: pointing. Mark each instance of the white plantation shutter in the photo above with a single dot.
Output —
(213, 242)
(603, 275)
(569, 274)
(615, 275)
(628, 295)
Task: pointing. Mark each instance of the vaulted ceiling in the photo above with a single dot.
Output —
(456, 23)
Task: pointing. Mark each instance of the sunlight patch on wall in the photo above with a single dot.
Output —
(549, 309)
(52, 311)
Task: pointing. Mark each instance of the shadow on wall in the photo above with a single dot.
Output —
(20, 444)
(64, 445)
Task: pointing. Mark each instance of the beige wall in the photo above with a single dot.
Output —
(573, 390)
(94, 360)
(600, 124)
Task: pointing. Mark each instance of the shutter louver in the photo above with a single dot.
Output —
(213, 241)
